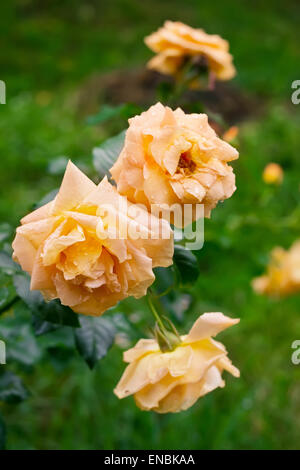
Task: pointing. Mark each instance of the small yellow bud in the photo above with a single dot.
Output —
(273, 174)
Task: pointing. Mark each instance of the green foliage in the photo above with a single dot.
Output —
(35, 135)
(94, 338)
(53, 312)
(41, 123)
(47, 198)
(42, 50)
(5, 233)
(108, 112)
(2, 433)
(57, 166)
(172, 293)
(7, 265)
(21, 343)
(12, 389)
(7, 292)
(105, 155)
(186, 265)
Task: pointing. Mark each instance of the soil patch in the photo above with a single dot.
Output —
(139, 86)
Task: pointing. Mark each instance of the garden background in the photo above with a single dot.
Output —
(59, 61)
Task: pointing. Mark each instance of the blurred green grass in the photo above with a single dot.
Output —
(49, 50)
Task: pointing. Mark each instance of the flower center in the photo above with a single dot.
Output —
(186, 163)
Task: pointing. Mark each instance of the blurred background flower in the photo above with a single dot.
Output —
(283, 273)
(176, 42)
(273, 174)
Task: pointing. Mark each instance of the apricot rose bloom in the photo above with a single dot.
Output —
(173, 381)
(170, 157)
(175, 41)
(67, 249)
(283, 273)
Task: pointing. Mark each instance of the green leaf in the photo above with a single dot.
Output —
(107, 153)
(164, 279)
(53, 312)
(125, 327)
(62, 337)
(12, 389)
(7, 264)
(42, 327)
(186, 265)
(175, 302)
(94, 338)
(57, 166)
(22, 285)
(49, 197)
(21, 343)
(2, 434)
(108, 112)
(60, 357)
(8, 293)
(5, 231)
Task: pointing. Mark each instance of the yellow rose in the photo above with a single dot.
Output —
(73, 252)
(273, 174)
(170, 157)
(175, 41)
(173, 381)
(283, 273)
